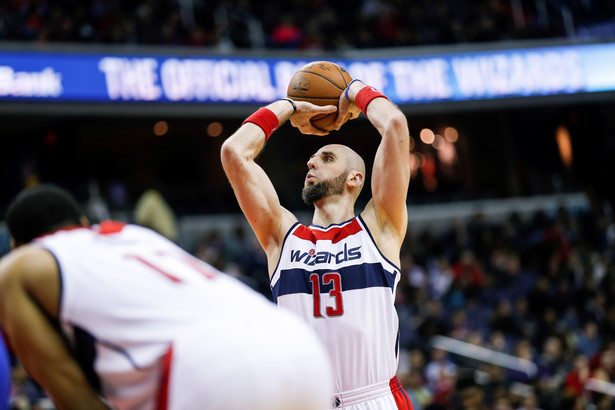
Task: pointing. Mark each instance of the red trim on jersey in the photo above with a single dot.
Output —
(109, 227)
(399, 394)
(162, 403)
(333, 234)
(154, 267)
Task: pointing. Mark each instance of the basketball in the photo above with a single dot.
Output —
(320, 83)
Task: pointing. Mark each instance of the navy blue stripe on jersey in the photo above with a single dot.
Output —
(61, 295)
(324, 228)
(85, 355)
(367, 275)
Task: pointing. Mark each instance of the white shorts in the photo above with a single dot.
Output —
(277, 364)
(381, 396)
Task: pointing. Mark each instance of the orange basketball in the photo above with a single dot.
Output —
(320, 83)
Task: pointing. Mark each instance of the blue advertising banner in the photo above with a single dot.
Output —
(481, 75)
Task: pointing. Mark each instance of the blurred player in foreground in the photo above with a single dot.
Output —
(118, 316)
(340, 273)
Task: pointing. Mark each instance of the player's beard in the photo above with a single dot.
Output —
(332, 186)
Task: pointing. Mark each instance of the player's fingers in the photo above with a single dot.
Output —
(341, 115)
(325, 109)
(310, 129)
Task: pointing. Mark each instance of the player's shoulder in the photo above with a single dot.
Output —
(287, 222)
(27, 263)
(370, 218)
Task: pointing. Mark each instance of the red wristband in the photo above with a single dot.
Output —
(265, 119)
(365, 96)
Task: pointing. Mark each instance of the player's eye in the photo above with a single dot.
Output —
(328, 159)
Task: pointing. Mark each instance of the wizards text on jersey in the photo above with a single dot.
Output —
(312, 258)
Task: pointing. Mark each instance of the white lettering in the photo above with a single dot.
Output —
(210, 80)
(131, 78)
(530, 73)
(372, 73)
(283, 72)
(45, 83)
(425, 79)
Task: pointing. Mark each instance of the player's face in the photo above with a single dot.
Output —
(318, 190)
(327, 163)
(326, 175)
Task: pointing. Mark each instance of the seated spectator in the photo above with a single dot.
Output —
(440, 370)
(574, 384)
(468, 273)
(589, 341)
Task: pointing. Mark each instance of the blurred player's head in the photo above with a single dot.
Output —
(39, 210)
(333, 168)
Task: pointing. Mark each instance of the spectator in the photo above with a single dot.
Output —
(440, 371)
(589, 341)
(468, 274)
(574, 384)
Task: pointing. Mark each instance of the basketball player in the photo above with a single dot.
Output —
(118, 316)
(340, 273)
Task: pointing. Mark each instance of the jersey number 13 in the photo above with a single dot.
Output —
(331, 277)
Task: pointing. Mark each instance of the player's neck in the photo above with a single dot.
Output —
(332, 210)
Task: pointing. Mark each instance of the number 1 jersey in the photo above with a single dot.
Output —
(337, 279)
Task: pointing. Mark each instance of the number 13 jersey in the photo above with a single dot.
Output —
(337, 279)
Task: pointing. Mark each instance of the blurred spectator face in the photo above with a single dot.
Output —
(591, 330)
(504, 307)
(498, 341)
(607, 360)
(471, 398)
(438, 355)
(416, 359)
(553, 347)
(581, 363)
(475, 338)
(415, 380)
(530, 402)
(502, 403)
(524, 350)
(467, 257)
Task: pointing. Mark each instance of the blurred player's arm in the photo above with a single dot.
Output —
(29, 304)
(253, 188)
(391, 170)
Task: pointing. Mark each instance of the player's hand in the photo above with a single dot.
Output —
(348, 109)
(305, 112)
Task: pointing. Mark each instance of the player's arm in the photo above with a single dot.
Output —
(29, 303)
(391, 171)
(253, 188)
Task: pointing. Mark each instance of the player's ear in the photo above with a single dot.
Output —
(356, 178)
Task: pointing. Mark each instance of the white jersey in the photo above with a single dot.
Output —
(144, 318)
(337, 279)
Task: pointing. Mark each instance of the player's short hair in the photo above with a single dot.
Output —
(39, 210)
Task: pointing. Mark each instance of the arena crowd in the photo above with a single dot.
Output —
(538, 288)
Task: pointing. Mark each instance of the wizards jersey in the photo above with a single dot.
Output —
(337, 280)
(153, 326)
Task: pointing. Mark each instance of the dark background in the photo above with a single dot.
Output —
(505, 152)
